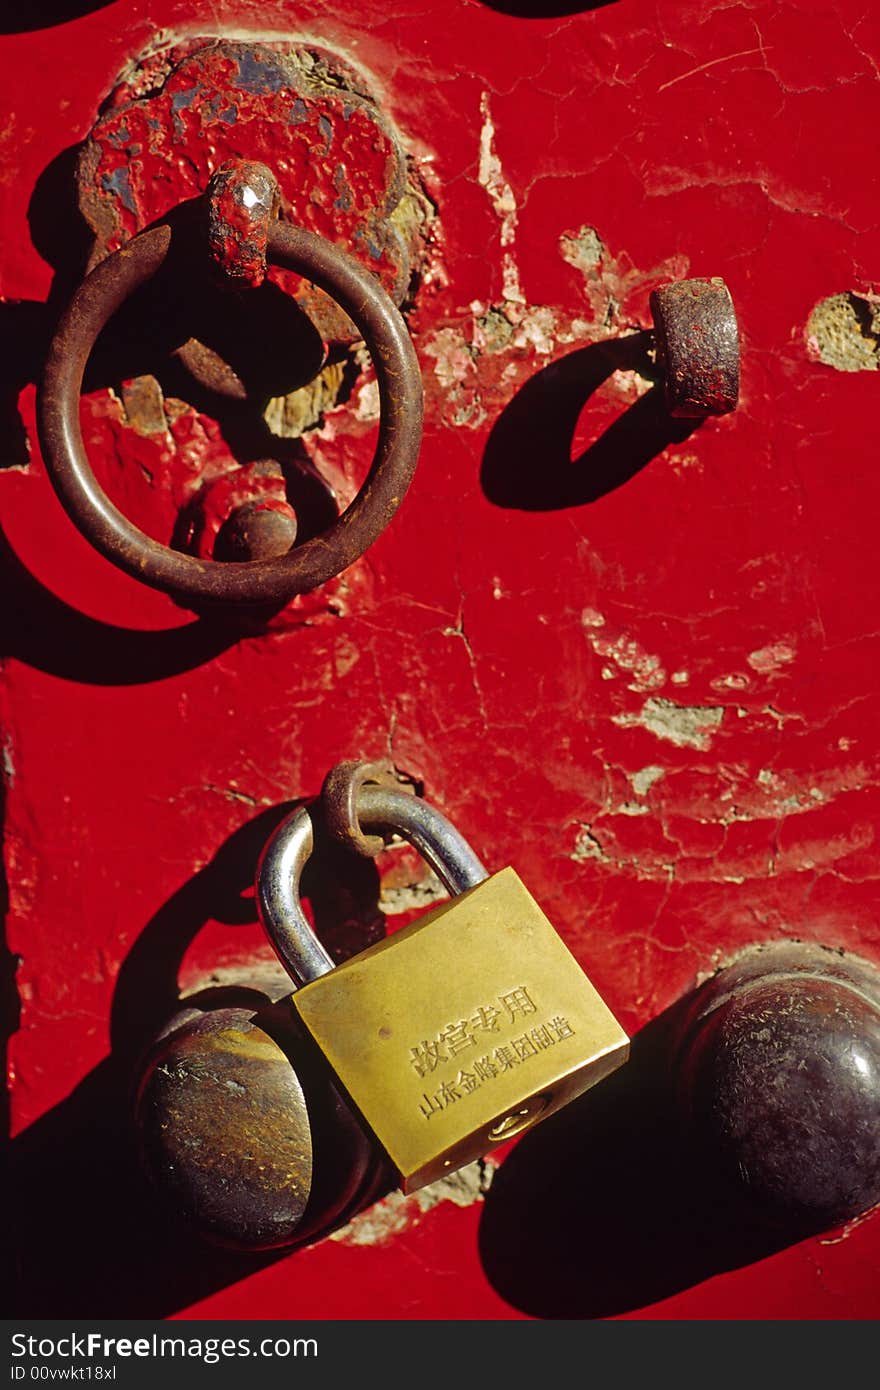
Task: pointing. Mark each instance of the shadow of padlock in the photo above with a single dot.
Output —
(403, 1064)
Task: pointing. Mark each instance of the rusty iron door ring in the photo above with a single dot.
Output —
(304, 567)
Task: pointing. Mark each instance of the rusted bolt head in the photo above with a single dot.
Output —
(256, 531)
(697, 340)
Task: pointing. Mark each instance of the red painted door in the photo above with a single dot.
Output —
(632, 655)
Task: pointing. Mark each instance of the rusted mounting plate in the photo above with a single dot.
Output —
(179, 114)
(697, 340)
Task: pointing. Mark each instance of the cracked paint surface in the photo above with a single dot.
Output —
(394, 1213)
(638, 665)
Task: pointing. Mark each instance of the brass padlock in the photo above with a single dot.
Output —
(458, 1031)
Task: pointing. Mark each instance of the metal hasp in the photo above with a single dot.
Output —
(304, 567)
(697, 343)
(778, 1078)
(379, 809)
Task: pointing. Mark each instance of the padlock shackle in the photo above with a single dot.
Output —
(380, 809)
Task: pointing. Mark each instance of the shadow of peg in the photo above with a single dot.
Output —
(692, 356)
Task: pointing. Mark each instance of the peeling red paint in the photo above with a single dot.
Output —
(570, 580)
(182, 113)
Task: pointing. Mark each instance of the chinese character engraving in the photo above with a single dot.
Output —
(430, 1106)
(456, 1037)
(505, 1058)
(517, 1001)
(524, 1047)
(459, 1035)
(487, 1018)
(426, 1055)
(447, 1094)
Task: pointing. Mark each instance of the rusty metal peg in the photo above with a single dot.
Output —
(276, 579)
(698, 349)
(243, 199)
(339, 800)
